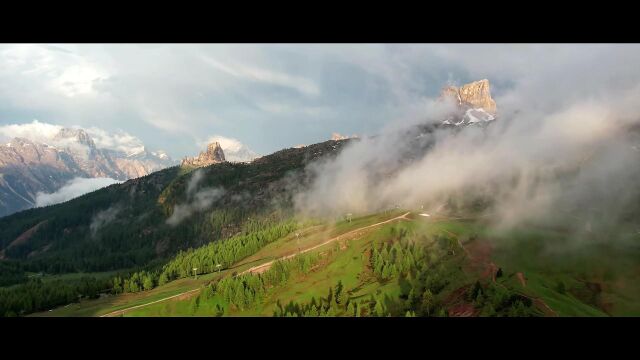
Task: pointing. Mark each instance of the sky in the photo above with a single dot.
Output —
(268, 97)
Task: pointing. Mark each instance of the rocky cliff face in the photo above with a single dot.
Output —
(474, 103)
(478, 95)
(473, 95)
(92, 161)
(28, 167)
(213, 155)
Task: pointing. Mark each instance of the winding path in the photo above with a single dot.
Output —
(267, 265)
(118, 312)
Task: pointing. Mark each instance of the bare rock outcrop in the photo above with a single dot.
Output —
(474, 95)
(213, 155)
(474, 103)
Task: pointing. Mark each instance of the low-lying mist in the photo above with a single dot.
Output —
(197, 199)
(577, 167)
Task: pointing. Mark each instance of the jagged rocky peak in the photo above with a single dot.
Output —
(214, 151)
(213, 155)
(474, 103)
(78, 135)
(475, 95)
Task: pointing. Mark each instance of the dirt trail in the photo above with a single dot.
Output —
(118, 312)
(266, 266)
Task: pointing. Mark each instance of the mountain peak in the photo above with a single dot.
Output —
(214, 150)
(212, 155)
(474, 103)
(79, 135)
(474, 95)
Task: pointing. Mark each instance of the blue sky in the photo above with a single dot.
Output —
(274, 96)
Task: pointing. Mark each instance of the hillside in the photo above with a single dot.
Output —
(125, 224)
(396, 264)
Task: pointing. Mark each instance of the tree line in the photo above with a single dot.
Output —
(206, 258)
(249, 290)
(336, 303)
(38, 295)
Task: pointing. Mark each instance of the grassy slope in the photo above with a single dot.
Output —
(529, 258)
(346, 262)
(541, 256)
(309, 237)
(349, 264)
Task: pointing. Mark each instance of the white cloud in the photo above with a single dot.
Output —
(55, 69)
(196, 200)
(35, 131)
(73, 189)
(298, 83)
(286, 109)
(103, 218)
(119, 140)
(181, 91)
(45, 133)
(78, 80)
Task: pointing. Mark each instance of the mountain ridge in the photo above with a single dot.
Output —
(29, 167)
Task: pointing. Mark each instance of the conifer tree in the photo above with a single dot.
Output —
(338, 293)
(379, 308)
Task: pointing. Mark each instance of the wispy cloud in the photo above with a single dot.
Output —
(197, 199)
(35, 131)
(45, 132)
(73, 189)
(169, 95)
(298, 83)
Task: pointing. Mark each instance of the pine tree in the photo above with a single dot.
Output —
(148, 282)
(379, 308)
(239, 299)
(386, 272)
(411, 299)
(117, 285)
(427, 302)
(351, 309)
(163, 279)
(338, 293)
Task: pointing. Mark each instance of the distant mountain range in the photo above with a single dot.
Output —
(29, 167)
